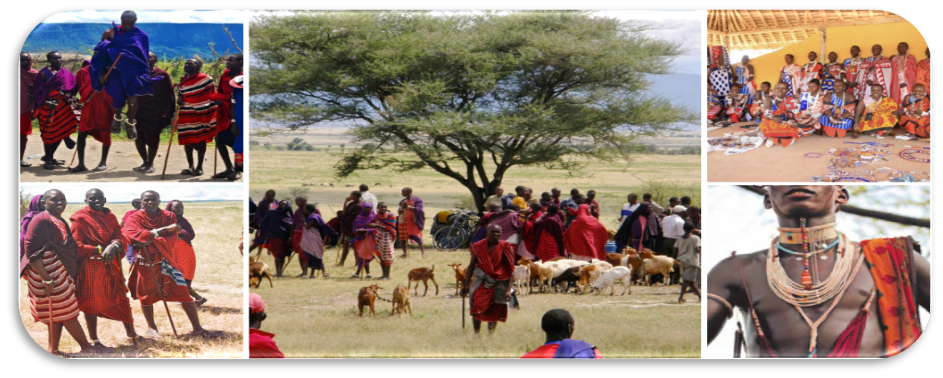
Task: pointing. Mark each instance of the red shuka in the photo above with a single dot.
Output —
(141, 281)
(97, 112)
(100, 288)
(224, 95)
(498, 265)
(586, 236)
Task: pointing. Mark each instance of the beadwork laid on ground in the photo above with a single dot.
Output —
(849, 164)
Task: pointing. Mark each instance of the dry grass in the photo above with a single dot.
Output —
(319, 317)
(218, 277)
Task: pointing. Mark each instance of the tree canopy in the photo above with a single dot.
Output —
(469, 95)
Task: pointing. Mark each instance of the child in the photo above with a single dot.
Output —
(688, 248)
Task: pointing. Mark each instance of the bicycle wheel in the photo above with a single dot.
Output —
(449, 238)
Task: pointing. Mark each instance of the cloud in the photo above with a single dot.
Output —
(176, 16)
(125, 192)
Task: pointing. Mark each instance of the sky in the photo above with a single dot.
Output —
(125, 192)
(736, 220)
(174, 16)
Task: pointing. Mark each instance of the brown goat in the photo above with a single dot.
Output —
(424, 275)
(257, 271)
(459, 277)
(366, 297)
(401, 301)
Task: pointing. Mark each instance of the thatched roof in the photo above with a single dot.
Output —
(774, 29)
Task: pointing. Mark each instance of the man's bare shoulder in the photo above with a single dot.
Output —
(729, 268)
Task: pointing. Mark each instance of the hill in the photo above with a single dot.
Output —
(166, 40)
(681, 89)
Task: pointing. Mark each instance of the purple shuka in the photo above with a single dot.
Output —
(46, 81)
(132, 74)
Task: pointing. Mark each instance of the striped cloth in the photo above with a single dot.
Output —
(197, 119)
(65, 306)
(56, 124)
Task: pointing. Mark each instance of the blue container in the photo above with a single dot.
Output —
(611, 247)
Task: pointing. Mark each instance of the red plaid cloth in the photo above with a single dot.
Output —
(97, 112)
(56, 124)
(186, 259)
(100, 288)
(498, 265)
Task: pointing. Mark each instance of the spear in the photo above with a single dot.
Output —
(90, 97)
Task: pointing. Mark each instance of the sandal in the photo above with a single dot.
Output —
(200, 301)
(100, 168)
(49, 165)
(150, 170)
(142, 168)
(78, 169)
(24, 164)
(221, 175)
(186, 172)
(234, 176)
(198, 172)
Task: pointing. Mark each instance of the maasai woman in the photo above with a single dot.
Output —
(276, 229)
(35, 207)
(791, 74)
(811, 106)
(876, 69)
(915, 112)
(365, 240)
(744, 79)
(834, 71)
(876, 113)
(586, 238)
(185, 255)
(386, 237)
(778, 124)
(736, 102)
(852, 67)
(411, 221)
(312, 241)
(548, 235)
(839, 113)
(923, 72)
(634, 235)
(812, 71)
(904, 68)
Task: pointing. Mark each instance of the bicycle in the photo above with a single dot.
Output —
(462, 225)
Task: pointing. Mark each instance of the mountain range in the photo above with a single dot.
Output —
(167, 40)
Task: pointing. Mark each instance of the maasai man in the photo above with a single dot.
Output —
(364, 240)
(131, 76)
(312, 241)
(518, 199)
(839, 113)
(367, 197)
(545, 201)
(276, 230)
(688, 251)
(352, 209)
(411, 222)
(27, 76)
(593, 205)
(559, 325)
(95, 120)
(873, 315)
(568, 206)
(510, 223)
(811, 106)
(923, 73)
(743, 77)
(491, 266)
(238, 103)
(876, 113)
(100, 287)
(791, 74)
(779, 124)
(656, 208)
(813, 70)
(528, 244)
(876, 69)
(555, 196)
(50, 256)
(852, 68)
(721, 77)
(298, 230)
(586, 238)
(261, 344)
(335, 224)
(54, 100)
(154, 114)
(634, 234)
(495, 198)
(904, 73)
(196, 124)
(529, 196)
(548, 235)
(915, 112)
(153, 233)
(628, 208)
(185, 255)
(267, 203)
(834, 71)
(386, 238)
(136, 205)
(226, 135)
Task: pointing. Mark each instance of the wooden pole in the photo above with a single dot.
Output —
(823, 53)
(171, 142)
(160, 290)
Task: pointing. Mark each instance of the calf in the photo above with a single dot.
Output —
(257, 271)
(401, 301)
(424, 275)
(459, 277)
(608, 279)
(366, 297)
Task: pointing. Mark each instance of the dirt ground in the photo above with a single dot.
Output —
(121, 159)
(776, 164)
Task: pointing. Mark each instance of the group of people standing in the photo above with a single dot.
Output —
(364, 223)
(72, 268)
(123, 72)
(861, 94)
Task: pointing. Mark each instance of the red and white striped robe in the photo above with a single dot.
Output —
(197, 120)
(46, 230)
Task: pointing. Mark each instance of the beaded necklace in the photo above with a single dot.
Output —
(908, 155)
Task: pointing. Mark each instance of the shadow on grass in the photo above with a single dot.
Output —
(219, 310)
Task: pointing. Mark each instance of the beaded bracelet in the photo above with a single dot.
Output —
(817, 178)
(849, 178)
(906, 155)
(813, 155)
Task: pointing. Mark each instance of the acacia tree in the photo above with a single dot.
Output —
(469, 95)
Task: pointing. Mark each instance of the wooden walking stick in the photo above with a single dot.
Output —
(160, 290)
(171, 142)
(90, 97)
(463, 309)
